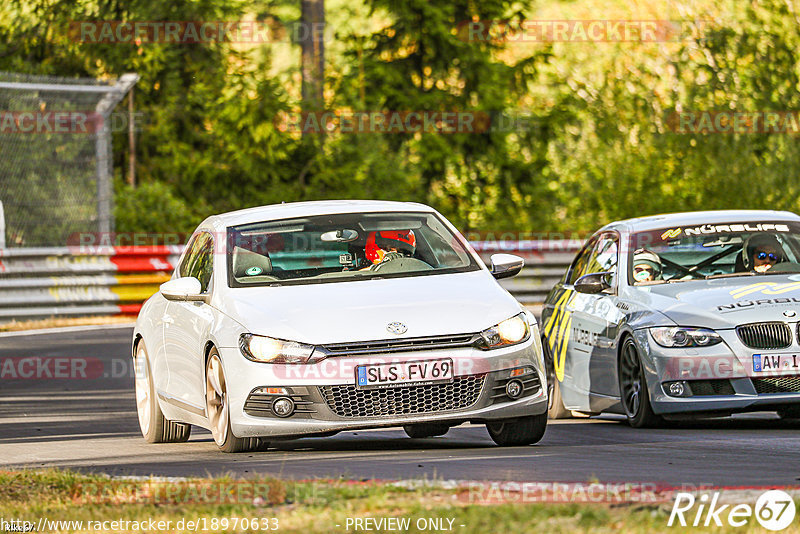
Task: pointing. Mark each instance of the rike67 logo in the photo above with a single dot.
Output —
(774, 510)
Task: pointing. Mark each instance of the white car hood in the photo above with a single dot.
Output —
(360, 311)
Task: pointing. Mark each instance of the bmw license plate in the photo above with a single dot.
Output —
(388, 375)
(767, 363)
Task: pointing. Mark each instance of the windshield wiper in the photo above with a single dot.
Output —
(749, 273)
(731, 275)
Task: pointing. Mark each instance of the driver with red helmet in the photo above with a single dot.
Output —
(387, 245)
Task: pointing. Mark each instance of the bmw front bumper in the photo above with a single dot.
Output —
(719, 378)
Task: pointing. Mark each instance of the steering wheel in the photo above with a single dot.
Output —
(403, 264)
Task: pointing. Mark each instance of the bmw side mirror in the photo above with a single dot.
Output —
(183, 289)
(506, 265)
(593, 283)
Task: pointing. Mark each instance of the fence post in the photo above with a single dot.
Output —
(105, 191)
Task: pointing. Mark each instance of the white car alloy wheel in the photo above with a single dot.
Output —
(155, 427)
(217, 399)
(142, 383)
(218, 410)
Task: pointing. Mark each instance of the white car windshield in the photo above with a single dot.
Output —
(343, 247)
(714, 250)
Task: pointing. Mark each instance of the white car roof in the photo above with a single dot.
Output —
(289, 210)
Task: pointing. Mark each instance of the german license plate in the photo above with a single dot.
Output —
(768, 363)
(388, 375)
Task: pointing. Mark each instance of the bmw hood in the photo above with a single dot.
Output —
(726, 302)
(362, 310)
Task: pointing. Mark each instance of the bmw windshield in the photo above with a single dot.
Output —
(713, 250)
(344, 247)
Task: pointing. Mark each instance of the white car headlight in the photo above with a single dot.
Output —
(270, 350)
(509, 332)
(679, 336)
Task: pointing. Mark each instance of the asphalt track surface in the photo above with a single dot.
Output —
(90, 424)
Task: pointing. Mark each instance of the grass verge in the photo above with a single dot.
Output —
(223, 505)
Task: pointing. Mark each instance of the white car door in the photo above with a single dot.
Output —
(186, 326)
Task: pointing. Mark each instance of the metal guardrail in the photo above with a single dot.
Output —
(46, 282)
(545, 263)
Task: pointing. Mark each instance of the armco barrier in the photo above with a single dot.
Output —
(45, 282)
(545, 263)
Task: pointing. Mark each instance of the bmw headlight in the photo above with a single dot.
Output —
(509, 332)
(679, 336)
(270, 350)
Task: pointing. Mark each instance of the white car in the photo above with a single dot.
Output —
(310, 318)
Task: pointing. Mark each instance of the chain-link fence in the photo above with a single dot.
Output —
(55, 156)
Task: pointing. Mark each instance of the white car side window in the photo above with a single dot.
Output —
(201, 262)
(183, 268)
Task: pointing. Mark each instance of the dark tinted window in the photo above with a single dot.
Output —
(580, 263)
(699, 250)
(344, 247)
(188, 257)
(200, 266)
(604, 255)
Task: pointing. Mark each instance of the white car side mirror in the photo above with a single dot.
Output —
(506, 265)
(183, 289)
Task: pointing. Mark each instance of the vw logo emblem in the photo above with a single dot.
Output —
(397, 328)
(789, 313)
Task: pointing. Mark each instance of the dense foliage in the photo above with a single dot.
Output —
(591, 137)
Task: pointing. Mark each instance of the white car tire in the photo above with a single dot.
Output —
(154, 426)
(218, 410)
(425, 430)
(518, 432)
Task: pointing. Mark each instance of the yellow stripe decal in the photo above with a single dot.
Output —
(557, 313)
(560, 355)
(557, 333)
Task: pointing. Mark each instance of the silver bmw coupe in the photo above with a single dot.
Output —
(669, 316)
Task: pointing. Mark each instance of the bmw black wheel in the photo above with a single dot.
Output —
(633, 388)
